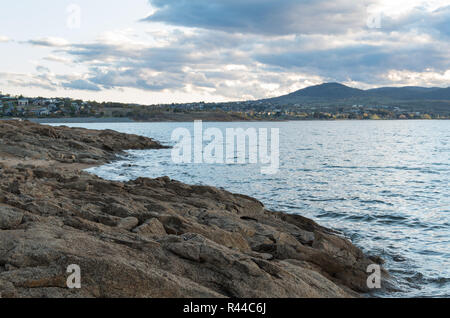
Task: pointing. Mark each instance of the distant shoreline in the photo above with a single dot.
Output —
(83, 120)
(95, 120)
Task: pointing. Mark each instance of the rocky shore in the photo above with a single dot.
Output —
(150, 237)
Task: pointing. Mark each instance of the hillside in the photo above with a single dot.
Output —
(335, 92)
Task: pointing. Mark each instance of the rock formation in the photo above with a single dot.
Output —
(149, 237)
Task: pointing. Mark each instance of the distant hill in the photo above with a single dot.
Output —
(328, 90)
(336, 92)
(412, 92)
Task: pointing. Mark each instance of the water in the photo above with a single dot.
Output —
(384, 184)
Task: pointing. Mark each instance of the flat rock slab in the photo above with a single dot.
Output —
(128, 223)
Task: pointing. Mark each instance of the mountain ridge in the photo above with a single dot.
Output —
(338, 92)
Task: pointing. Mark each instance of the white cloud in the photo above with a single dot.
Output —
(49, 42)
(426, 78)
(401, 7)
(58, 59)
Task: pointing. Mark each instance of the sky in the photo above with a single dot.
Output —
(170, 51)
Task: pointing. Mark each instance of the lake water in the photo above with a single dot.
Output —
(383, 184)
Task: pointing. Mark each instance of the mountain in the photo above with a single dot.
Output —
(333, 92)
(330, 90)
(412, 92)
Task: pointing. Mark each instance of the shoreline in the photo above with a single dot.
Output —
(150, 237)
(106, 120)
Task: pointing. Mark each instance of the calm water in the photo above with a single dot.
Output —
(384, 184)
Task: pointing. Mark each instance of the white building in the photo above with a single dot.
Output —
(44, 112)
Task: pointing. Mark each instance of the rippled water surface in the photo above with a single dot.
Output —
(384, 184)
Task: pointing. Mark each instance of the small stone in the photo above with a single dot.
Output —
(305, 237)
(399, 259)
(128, 223)
(151, 228)
(7, 290)
(377, 259)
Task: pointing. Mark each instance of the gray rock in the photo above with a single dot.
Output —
(151, 228)
(9, 218)
(7, 289)
(128, 223)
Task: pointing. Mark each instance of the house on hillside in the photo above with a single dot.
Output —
(52, 107)
(8, 109)
(44, 112)
(75, 107)
(22, 102)
(39, 102)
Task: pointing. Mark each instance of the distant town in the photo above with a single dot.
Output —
(39, 107)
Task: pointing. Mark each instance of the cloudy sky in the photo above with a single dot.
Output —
(164, 51)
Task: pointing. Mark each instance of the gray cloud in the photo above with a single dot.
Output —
(42, 69)
(441, 21)
(135, 78)
(44, 81)
(364, 63)
(81, 85)
(435, 23)
(270, 17)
